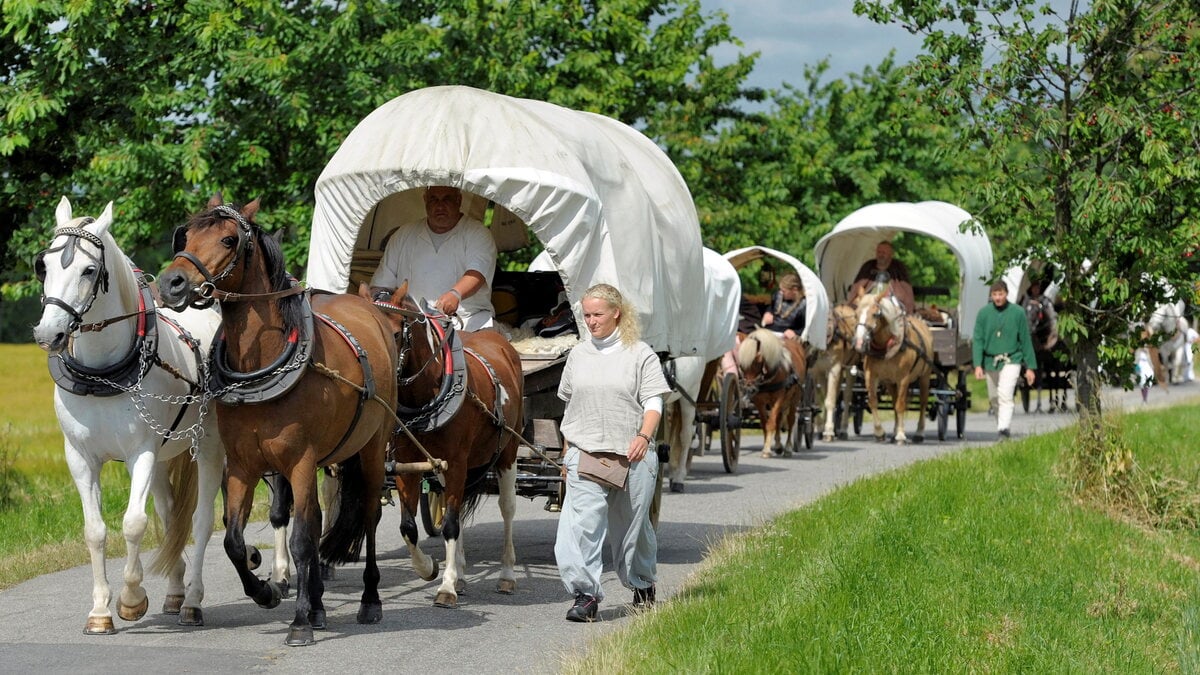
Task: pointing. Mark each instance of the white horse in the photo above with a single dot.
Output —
(679, 417)
(128, 377)
(1167, 321)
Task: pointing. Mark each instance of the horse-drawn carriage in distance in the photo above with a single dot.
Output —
(854, 239)
(735, 391)
(602, 200)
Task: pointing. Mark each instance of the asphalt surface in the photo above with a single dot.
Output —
(42, 620)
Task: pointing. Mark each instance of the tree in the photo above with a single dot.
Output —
(1087, 120)
(158, 105)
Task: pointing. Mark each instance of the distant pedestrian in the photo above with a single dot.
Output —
(1001, 346)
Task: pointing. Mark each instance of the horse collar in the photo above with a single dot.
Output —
(266, 384)
(443, 407)
(71, 375)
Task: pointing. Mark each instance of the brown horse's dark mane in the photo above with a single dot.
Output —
(290, 308)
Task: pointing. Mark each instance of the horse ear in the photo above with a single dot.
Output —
(401, 291)
(105, 220)
(364, 291)
(249, 210)
(215, 201)
(62, 213)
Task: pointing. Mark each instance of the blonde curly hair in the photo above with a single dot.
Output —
(627, 316)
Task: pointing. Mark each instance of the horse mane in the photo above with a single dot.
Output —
(768, 344)
(290, 308)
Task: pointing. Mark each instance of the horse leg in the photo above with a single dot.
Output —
(132, 602)
(280, 515)
(447, 592)
(847, 390)
(900, 399)
(211, 460)
(239, 499)
(85, 470)
(310, 609)
(331, 499)
(873, 404)
(832, 378)
(919, 436)
(172, 509)
(422, 563)
(508, 509)
(370, 607)
(676, 465)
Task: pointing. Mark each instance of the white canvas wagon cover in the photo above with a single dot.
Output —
(852, 242)
(606, 202)
(816, 306)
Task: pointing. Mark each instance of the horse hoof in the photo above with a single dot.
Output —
(135, 612)
(316, 619)
(274, 596)
(191, 616)
(787, 453)
(460, 587)
(253, 557)
(677, 486)
(285, 587)
(506, 586)
(327, 572)
(446, 599)
(370, 612)
(767, 454)
(880, 438)
(300, 637)
(918, 438)
(843, 436)
(99, 625)
(172, 604)
(828, 438)
(901, 441)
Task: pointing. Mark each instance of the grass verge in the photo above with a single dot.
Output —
(978, 562)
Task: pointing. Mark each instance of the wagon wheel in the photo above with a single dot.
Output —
(731, 424)
(809, 405)
(433, 512)
(961, 405)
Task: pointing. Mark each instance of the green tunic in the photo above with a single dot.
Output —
(1002, 331)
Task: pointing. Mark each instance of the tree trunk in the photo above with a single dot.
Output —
(1087, 381)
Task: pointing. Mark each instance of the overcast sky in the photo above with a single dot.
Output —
(791, 34)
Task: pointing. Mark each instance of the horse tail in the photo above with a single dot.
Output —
(183, 474)
(343, 540)
(473, 489)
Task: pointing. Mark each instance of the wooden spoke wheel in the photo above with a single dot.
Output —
(731, 423)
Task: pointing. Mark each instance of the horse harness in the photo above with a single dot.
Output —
(774, 379)
(894, 347)
(124, 376)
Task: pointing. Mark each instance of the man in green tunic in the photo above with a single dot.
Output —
(1001, 346)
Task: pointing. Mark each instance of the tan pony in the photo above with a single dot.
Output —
(897, 350)
(773, 370)
(835, 362)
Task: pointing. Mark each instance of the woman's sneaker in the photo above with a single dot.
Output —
(584, 609)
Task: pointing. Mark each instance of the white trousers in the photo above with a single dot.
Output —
(1004, 383)
(592, 513)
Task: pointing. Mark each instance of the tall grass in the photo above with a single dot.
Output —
(977, 562)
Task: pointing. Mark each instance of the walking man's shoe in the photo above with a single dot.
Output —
(643, 598)
(1005, 433)
(584, 609)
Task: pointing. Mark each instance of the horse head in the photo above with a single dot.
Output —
(74, 270)
(879, 322)
(420, 333)
(761, 352)
(223, 237)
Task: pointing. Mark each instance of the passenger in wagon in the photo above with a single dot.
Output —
(448, 258)
(614, 387)
(787, 311)
(884, 263)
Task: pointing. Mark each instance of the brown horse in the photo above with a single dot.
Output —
(897, 350)
(773, 370)
(300, 384)
(837, 360)
(460, 395)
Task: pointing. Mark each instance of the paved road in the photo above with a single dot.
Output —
(41, 621)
